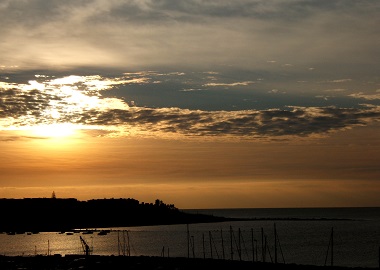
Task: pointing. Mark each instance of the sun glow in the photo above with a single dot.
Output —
(58, 108)
(54, 130)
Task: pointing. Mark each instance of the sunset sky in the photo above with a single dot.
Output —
(200, 103)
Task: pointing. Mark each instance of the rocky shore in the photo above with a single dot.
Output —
(95, 262)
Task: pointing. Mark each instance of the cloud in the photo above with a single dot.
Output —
(80, 100)
(230, 84)
(276, 91)
(22, 107)
(192, 33)
(336, 90)
(297, 121)
(55, 100)
(192, 89)
(341, 81)
(366, 96)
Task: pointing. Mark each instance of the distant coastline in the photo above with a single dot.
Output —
(67, 214)
(302, 213)
(56, 214)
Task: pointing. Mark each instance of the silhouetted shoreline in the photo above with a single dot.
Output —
(98, 262)
(55, 215)
(61, 215)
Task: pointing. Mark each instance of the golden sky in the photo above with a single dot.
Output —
(202, 104)
(335, 171)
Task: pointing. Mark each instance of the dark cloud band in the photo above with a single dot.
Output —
(27, 108)
(297, 121)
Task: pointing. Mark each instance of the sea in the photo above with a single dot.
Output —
(312, 236)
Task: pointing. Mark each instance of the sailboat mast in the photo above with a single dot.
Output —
(332, 246)
(275, 244)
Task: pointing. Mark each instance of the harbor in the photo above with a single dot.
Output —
(344, 243)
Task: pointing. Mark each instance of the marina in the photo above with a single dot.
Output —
(302, 239)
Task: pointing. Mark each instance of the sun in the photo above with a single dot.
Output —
(54, 130)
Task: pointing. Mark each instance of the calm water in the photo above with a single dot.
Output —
(356, 238)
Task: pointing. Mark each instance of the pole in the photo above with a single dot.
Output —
(332, 246)
(253, 247)
(257, 256)
(188, 241)
(232, 250)
(209, 234)
(203, 243)
(128, 245)
(221, 235)
(262, 245)
(118, 243)
(275, 244)
(124, 243)
(239, 248)
(193, 244)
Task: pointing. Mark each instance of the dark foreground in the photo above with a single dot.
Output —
(94, 262)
